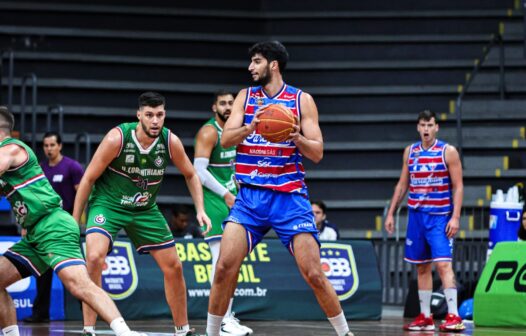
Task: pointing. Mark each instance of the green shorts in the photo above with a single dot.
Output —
(147, 229)
(53, 242)
(217, 210)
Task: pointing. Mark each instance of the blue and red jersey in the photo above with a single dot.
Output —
(429, 180)
(263, 164)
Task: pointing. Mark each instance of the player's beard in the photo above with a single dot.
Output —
(222, 116)
(147, 132)
(264, 78)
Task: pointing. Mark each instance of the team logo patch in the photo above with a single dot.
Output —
(158, 161)
(100, 219)
(119, 273)
(339, 265)
(130, 158)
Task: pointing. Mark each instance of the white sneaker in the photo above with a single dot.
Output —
(231, 326)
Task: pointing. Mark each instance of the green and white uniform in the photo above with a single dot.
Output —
(123, 197)
(221, 166)
(52, 238)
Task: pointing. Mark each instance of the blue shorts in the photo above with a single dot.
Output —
(426, 238)
(259, 209)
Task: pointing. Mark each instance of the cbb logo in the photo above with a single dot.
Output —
(338, 264)
(116, 265)
(119, 274)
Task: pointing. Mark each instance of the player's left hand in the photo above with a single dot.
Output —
(452, 227)
(203, 220)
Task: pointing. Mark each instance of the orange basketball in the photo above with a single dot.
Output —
(276, 123)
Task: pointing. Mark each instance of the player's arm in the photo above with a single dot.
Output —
(204, 145)
(107, 151)
(11, 156)
(310, 140)
(457, 185)
(182, 162)
(235, 130)
(399, 193)
(76, 174)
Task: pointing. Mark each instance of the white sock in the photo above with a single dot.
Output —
(425, 302)
(213, 325)
(90, 329)
(229, 310)
(451, 299)
(339, 323)
(11, 331)
(182, 330)
(119, 327)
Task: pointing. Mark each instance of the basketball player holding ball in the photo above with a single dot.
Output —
(272, 190)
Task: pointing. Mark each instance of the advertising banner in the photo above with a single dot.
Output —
(500, 296)
(23, 291)
(269, 284)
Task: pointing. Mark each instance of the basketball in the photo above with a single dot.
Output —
(276, 123)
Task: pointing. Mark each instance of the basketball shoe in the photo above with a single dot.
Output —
(231, 326)
(421, 323)
(452, 323)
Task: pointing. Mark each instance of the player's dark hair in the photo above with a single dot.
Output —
(151, 99)
(7, 120)
(53, 134)
(272, 51)
(180, 209)
(221, 93)
(320, 204)
(427, 115)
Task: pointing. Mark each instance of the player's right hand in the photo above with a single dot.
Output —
(255, 120)
(229, 199)
(389, 224)
(204, 220)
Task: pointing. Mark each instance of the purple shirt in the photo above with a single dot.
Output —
(63, 178)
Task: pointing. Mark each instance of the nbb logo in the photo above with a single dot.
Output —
(505, 271)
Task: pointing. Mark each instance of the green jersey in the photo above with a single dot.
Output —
(27, 189)
(221, 164)
(132, 180)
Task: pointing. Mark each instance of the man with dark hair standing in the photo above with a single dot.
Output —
(327, 230)
(215, 166)
(272, 191)
(64, 174)
(124, 178)
(51, 239)
(432, 172)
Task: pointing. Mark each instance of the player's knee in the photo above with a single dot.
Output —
(222, 272)
(444, 269)
(423, 269)
(174, 268)
(95, 259)
(315, 278)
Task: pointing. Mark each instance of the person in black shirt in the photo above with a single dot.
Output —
(180, 224)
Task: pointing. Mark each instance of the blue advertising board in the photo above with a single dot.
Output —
(269, 285)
